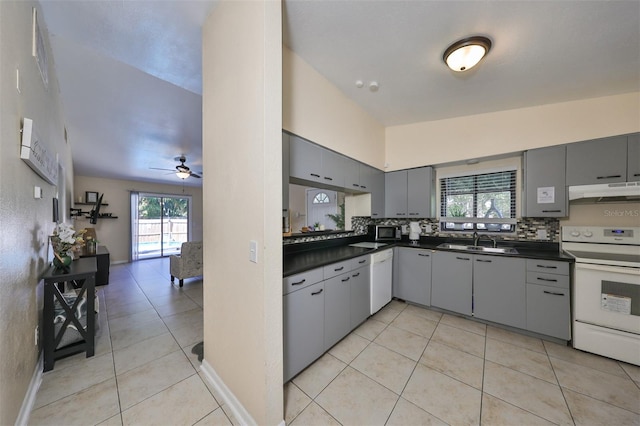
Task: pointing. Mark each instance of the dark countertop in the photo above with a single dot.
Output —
(302, 257)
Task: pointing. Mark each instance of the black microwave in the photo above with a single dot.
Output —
(385, 232)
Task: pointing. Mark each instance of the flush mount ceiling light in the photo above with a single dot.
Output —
(183, 175)
(466, 53)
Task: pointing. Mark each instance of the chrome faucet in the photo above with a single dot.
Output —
(477, 237)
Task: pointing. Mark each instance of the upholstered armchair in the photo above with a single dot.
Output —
(188, 263)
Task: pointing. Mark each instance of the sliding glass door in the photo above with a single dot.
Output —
(159, 224)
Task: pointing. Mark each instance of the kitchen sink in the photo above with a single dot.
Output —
(479, 249)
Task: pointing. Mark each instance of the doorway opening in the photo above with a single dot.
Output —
(160, 223)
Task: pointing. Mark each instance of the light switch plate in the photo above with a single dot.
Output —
(253, 251)
(37, 192)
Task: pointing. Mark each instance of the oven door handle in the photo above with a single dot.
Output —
(609, 268)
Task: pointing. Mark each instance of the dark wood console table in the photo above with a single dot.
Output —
(82, 277)
(102, 257)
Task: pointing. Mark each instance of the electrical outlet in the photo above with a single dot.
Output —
(37, 334)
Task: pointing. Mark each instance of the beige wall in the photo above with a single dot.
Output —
(26, 222)
(242, 151)
(115, 233)
(443, 141)
(315, 109)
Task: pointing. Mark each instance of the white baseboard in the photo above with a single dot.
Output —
(241, 414)
(30, 397)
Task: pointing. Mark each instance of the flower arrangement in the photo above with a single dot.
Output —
(65, 240)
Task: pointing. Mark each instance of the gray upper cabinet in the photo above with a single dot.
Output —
(499, 290)
(395, 194)
(285, 174)
(377, 189)
(420, 192)
(544, 182)
(633, 158)
(305, 161)
(354, 175)
(410, 193)
(451, 281)
(412, 282)
(333, 168)
(597, 161)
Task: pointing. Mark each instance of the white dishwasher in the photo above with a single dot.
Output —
(381, 279)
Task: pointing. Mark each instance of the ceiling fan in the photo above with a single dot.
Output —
(182, 171)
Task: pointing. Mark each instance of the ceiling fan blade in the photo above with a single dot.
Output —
(195, 175)
(157, 168)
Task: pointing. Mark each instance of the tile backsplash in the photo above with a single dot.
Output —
(526, 229)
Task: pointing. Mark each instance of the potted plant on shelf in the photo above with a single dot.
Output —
(64, 241)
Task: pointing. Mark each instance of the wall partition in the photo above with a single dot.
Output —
(160, 223)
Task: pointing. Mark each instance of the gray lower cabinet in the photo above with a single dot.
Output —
(451, 281)
(412, 280)
(633, 157)
(337, 319)
(499, 292)
(597, 161)
(303, 328)
(545, 191)
(359, 299)
(548, 298)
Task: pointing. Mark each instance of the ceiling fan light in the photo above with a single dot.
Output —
(466, 53)
(183, 175)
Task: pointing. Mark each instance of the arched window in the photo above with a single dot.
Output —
(321, 198)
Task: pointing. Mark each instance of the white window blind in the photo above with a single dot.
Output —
(482, 202)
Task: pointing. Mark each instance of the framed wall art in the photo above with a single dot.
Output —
(38, 50)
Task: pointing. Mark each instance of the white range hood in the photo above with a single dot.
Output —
(606, 192)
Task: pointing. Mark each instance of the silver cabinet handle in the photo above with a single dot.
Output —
(553, 293)
(299, 282)
(317, 292)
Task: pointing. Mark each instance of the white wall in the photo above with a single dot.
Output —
(115, 233)
(461, 138)
(315, 109)
(242, 152)
(25, 222)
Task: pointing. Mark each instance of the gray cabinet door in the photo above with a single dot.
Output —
(597, 161)
(420, 193)
(451, 281)
(285, 174)
(633, 158)
(333, 166)
(548, 311)
(395, 194)
(378, 194)
(303, 328)
(354, 175)
(360, 296)
(499, 292)
(413, 279)
(544, 182)
(305, 161)
(365, 174)
(337, 319)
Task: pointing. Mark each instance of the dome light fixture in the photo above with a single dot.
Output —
(183, 175)
(466, 53)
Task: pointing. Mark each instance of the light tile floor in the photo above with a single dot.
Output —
(404, 366)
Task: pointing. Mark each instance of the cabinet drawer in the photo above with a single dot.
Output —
(334, 269)
(361, 261)
(553, 280)
(548, 266)
(301, 280)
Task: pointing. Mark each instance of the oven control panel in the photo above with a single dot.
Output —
(601, 234)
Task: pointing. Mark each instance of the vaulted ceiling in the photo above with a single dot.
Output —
(131, 78)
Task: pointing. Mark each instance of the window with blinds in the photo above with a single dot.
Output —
(483, 202)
